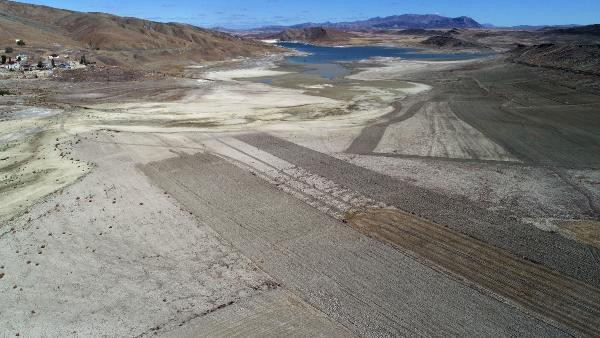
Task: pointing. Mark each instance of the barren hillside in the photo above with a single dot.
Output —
(145, 41)
(313, 34)
(582, 58)
(449, 42)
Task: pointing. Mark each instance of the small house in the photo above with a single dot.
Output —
(13, 65)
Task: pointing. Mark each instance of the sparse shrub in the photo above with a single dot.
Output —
(52, 63)
(3, 59)
(8, 50)
(4, 92)
(40, 64)
(83, 61)
(20, 43)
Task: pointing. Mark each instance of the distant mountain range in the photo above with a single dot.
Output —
(405, 21)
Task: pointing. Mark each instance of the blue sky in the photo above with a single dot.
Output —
(253, 13)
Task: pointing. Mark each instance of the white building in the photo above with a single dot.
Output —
(12, 65)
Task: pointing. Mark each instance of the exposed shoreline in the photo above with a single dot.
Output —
(151, 225)
(264, 106)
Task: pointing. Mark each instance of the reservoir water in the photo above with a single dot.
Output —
(325, 54)
(325, 61)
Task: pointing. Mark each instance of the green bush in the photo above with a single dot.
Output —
(4, 92)
(3, 59)
(8, 50)
(20, 43)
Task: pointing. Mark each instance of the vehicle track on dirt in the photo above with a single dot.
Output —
(370, 136)
(498, 229)
(566, 300)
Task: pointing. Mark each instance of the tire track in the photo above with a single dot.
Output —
(549, 294)
(563, 299)
(370, 136)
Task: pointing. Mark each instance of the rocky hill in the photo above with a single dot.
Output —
(107, 35)
(449, 42)
(415, 32)
(314, 34)
(580, 30)
(580, 58)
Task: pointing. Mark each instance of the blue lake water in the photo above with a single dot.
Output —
(323, 54)
(324, 61)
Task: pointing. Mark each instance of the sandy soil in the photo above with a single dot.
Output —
(399, 69)
(436, 131)
(113, 255)
(36, 158)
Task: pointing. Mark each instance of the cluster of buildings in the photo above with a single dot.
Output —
(19, 63)
(22, 62)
